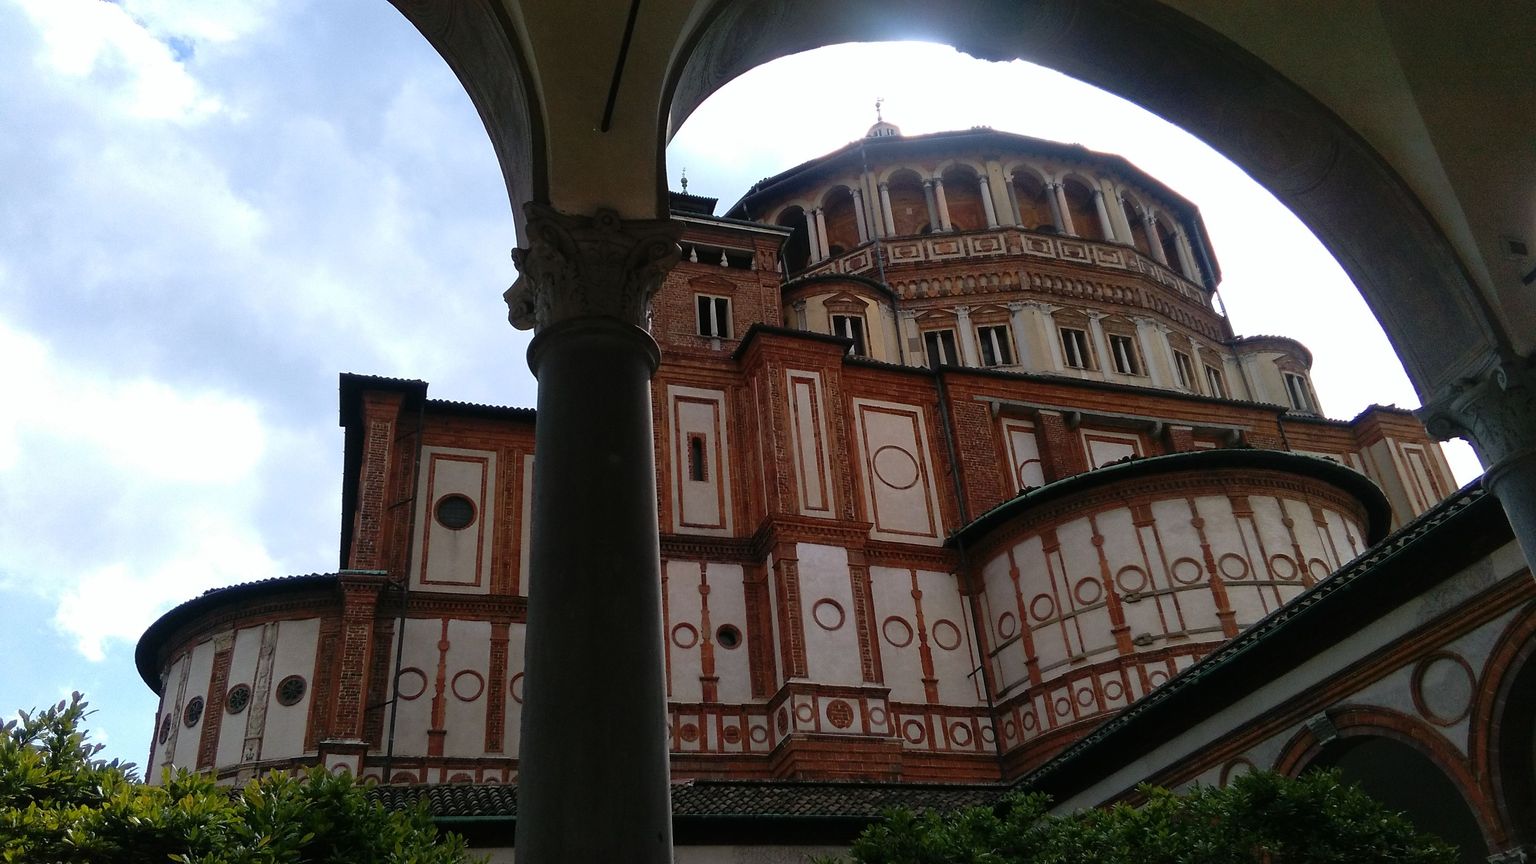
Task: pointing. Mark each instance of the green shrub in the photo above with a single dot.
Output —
(60, 804)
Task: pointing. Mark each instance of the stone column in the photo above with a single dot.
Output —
(1013, 204)
(885, 208)
(800, 319)
(593, 765)
(1052, 336)
(1106, 364)
(1497, 415)
(967, 336)
(1186, 260)
(1154, 239)
(813, 237)
(933, 208)
(1021, 352)
(1104, 224)
(1158, 364)
(1055, 204)
(1060, 193)
(858, 215)
(986, 201)
(1120, 218)
(943, 203)
(821, 232)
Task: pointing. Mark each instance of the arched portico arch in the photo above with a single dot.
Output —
(579, 99)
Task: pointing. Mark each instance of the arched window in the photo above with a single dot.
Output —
(1034, 210)
(1133, 210)
(797, 250)
(962, 194)
(1168, 235)
(842, 224)
(909, 208)
(1085, 216)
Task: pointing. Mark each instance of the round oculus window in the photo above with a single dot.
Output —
(193, 712)
(455, 512)
(728, 636)
(165, 729)
(238, 698)
(290, 690)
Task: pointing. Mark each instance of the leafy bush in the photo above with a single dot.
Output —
(59, 803)
(1259, 818)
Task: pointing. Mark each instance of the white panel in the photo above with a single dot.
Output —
(728, 605)
(242, 670)
(808, 433)
(898, 479)
(1023, 454)
(442, 558)
(418, 676)
(701, 506)
(683, 638)
(468, 664)
(1106, 447)
(826, 600)
(951, 637)
(295, 655)
(187, 739)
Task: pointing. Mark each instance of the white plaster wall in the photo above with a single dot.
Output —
(185, 754)
(414, 716)
(702, 506)
(242, 670)
(295, 655)
(728, 605)
(950, 634)
(684, 656)
(808, 437)
(170, 706)
(831, 655)
(516, 640)
(443, 559)
(900, 495)
(464, 718)
(892, 590)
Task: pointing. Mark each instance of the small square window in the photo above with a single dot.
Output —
(698, 460)
(851, 327)
(1074, 348)
(995, 350)
(1123, 351)
(1217, 384)
(714, 316)
(1185, 369)
(940, 347)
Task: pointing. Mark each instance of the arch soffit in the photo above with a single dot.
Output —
(789, 211)
(1075, 175)
(949, 166)
(835, 191)
(1169, 63)
(900, 173)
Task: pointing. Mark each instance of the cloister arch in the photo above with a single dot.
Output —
(961, 189)
(842, 222)
(909, 205)
(1034, 210)
(1085, 217)
(797, 249)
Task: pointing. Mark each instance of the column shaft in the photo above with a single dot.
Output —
(885, 209)
(858, 215)
(813, 236)
(943, 204)
(1064, 210)
(821, 232)
(986, 202)
(1104, 224)
(1055, 204)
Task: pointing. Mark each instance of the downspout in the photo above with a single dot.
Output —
(947, 428)
(404, 586)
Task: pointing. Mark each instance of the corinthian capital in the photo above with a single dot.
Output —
(1496, 413)
(577, 266)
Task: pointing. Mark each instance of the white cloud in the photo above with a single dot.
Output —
(102, 47)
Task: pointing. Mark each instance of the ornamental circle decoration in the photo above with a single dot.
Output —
(895, 467)
(1113, 690)
(410, 683)
(685, 636)
(731, 735)
(193, 712)
(1085, 697)
(827, 614)
(1186, 571)
(1030, 722)
(1131, 579)
(1319, 568)
(1007, 625)
(1062, 706)
(238, 697)
(728, 637)
(804, 712)
(897, 631)
(165, 729)
(783, 720)
(960, 734)
(1235, 769)
(455, 512)
(1233, 566)
(468, 685)
(1443, 686)
(291, 690)
(515, 687)
(839, 714)
(1042, 607)
(877, 717)
(689, 733)
(1088, 591)
(1022, 472)
(758, 734)
(913, 731)
(1282, 566)
(946, 635)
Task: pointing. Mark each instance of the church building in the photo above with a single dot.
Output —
(966, 483)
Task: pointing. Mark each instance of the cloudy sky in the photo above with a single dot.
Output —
(209, 208)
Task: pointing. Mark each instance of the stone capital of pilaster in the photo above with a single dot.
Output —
(962, 311)
(1016, 306)
(576, 266)
(1495, 412)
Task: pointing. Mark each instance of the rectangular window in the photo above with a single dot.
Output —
(1296, 388)
(1074, 348)
(1124, 350)
(851, 327)
(940, 345)
(714, 316)
(995, 350)
(698, 463)
(1185, 368)
(1217, 385)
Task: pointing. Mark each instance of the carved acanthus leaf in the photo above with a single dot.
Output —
(577, 266)
(1496, 413)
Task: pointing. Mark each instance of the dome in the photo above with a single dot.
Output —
(883, 129)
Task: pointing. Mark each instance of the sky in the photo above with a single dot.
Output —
(210, 208)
